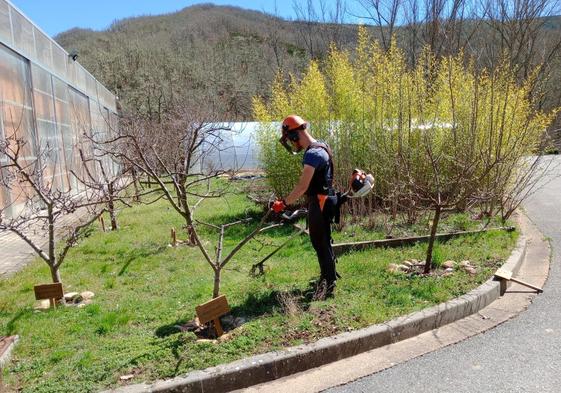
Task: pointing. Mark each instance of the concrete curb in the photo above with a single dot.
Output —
(5, 356)
(269, 366)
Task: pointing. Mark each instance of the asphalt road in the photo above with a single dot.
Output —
(522, 355)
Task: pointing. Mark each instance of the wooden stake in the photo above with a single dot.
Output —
(102, 222)
(218, 327)
(173, 237)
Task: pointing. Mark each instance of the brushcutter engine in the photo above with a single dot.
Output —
(360, 184)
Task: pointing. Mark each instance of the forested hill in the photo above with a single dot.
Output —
(222, 56)
(203, 53)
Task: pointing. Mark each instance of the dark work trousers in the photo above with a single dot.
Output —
(320, 236)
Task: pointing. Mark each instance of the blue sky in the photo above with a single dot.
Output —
(55, 16)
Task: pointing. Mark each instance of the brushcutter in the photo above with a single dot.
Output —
(360, 185)
(288, 218)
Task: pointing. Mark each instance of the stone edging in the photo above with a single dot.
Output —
(5, 356)
(273, 365)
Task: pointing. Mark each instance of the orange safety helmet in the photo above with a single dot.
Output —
(293, 123)
(290, 127)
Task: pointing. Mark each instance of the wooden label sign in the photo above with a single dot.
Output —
(212, 310)
(504, 274)
(49, 291)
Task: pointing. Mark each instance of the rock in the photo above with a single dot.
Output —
(403, 268)
(471, 270)
(224, 337)
(43, 305)
(408, 263)
(126, 377)
(415, 261)
(190, 326)
(239, 321)
(449, 270)
(392, 267)
(447, 274)
(206, 340)
(465, 263)
(227, 321)
(73, 297)
(449, 264)
(86, 295)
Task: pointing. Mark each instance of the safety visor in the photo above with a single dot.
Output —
(284, 141)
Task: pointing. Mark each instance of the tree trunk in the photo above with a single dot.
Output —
(55, 274)
(52, 256)
(135, 185)
(435, 221)
(112, 215)
(216, 291)
(111, 208)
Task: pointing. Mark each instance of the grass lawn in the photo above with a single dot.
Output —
(145, 288)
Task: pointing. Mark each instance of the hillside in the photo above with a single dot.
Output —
(222, 56)
(216, 54)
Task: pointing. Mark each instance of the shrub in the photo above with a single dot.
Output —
(441, 131)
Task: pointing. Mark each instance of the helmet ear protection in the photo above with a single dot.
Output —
(291, 135)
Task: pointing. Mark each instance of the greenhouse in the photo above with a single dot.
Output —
(48, 100)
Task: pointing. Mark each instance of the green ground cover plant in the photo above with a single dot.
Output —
(146, 289)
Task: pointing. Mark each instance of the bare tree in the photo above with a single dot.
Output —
(44, 205)
(384, 14)
(173, 154)
(320, 24)
(107, 181)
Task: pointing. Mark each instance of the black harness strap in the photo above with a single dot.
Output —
(325, 147)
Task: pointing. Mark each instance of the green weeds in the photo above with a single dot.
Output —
(145, 290)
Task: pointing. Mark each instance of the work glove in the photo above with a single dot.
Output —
(278, 206)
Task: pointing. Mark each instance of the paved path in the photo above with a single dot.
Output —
(15, 254)
(522, 355)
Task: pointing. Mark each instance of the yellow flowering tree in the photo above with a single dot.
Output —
(439, 136)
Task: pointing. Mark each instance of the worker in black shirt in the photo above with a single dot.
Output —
(316, 182)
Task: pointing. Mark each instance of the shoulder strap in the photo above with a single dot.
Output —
(325, 146)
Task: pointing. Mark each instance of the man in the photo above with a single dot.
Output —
(316, 181)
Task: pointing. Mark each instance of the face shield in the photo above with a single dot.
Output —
(284, 142)
(289, 136)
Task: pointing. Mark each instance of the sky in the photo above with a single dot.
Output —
(56, 16)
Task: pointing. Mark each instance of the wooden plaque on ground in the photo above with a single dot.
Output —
(504, 274)
(49, 291)
(212, 310)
